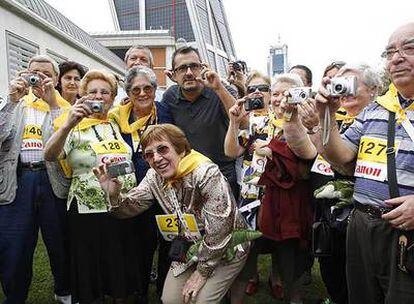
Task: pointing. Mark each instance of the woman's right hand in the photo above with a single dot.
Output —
(111, 185)
(323, 98)
(78, 111)
(308, 114)
(237, 112)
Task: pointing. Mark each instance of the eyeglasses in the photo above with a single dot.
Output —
(404, 50)
(160, 150)
(261, 87)
(137, 90)
(194, 67)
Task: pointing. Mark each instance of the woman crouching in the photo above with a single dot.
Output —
(200, 212)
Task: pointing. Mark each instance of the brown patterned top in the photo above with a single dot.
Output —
(205, 193)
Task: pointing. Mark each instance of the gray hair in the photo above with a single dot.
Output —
(45, 58)
(139, 71)
(140, 47)
(290, 78)
(369, 76)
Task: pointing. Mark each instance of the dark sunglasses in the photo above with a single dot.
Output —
(160, 150)
(261, 87)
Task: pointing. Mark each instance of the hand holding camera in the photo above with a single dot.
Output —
(78, 111)
(120, 168)
(43, 87)
(19, 87)
(111, 185)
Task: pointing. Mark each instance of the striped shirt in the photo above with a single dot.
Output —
(367, 137)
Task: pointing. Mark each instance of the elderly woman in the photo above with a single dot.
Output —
(70, 75)
(133, 119)
(200, 208)
(332, 263)
(285, 215)
(86, 139)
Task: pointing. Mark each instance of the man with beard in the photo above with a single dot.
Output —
(199, 104)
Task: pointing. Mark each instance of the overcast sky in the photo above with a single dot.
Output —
(316, 32)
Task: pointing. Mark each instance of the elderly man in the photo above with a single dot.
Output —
(383, 196)
(199, 104)
(30, 191)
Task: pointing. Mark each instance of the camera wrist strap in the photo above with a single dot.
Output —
(173, 197)
(326, 128)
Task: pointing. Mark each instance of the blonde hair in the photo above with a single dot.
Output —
(256, 74)
(98, 74)
(168, 132)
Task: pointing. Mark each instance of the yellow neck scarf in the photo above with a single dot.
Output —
(187, 165)
(345, 118)
(275, 125)
(32, 101)
(391, 102)
(122, 113)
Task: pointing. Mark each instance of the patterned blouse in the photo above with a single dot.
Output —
(84, 150)
(206, 194)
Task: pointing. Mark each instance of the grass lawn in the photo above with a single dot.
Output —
(41, 291)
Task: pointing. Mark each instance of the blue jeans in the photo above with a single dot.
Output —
(34, 207)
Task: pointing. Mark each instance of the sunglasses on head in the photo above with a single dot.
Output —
(261, 87)
(160, 150)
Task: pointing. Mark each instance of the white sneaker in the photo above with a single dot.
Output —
(63, 299)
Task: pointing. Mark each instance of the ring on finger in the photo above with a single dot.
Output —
(402, 226)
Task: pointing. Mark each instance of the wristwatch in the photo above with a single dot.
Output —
(314, 130)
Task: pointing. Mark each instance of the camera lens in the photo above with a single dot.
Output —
(339, 88)
(33, 80)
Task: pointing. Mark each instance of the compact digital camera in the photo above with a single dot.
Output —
(95, 106)
(33, 80)
(342, 86)
(120, 168)
(239, 65)
(254, 103)
(299, 95)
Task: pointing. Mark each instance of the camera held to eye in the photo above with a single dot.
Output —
(95, 106)
(342, 86)
(33, 80)
(299, 95)
(239, 66)
(254, 103)
(120, 168)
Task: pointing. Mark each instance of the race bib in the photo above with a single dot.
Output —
(321, 166)
(168, 225)
(372, 159)
(110, 150)
(32, 138)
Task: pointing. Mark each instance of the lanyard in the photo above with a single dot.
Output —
(173, 197)
(99, 137)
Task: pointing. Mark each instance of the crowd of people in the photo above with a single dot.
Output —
(210, 174)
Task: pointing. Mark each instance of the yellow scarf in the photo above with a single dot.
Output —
(85, 123)
(187, 165)
(391, 102)
(32, 101)
(121, 115)
(345, 118)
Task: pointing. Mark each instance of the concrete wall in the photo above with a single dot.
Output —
(20, 26)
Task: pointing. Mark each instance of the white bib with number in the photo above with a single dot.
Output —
(168, 225)
(107, 150)
(372, 158)
(321, 166)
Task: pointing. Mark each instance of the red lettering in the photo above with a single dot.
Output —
(368, 170)
(108, 158)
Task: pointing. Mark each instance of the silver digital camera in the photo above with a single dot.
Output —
(120, 168)
(33, 80)
(299, 95)
(342, 86)
(95, 106)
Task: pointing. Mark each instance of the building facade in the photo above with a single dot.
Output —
(202, 23)
(32, 27)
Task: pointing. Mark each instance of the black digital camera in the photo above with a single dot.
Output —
(178, 249)
(254, 103)
(239, 65)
